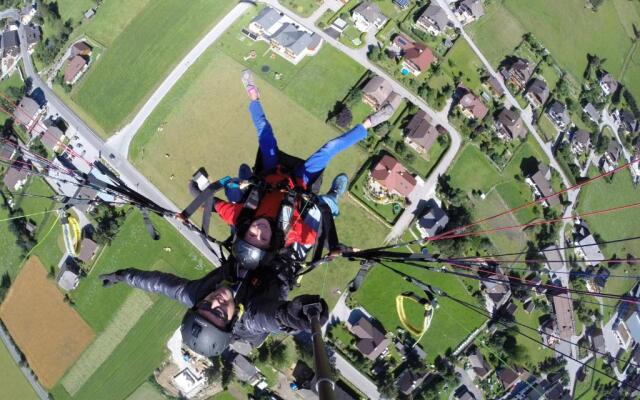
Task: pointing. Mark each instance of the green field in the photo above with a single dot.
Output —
(534, 351)
(74, 9)
(13, 384)
(567, 28)
(111, 19)
(302, 7)
(141, 56)
(377, 296)
(143, 348)
(147, 391)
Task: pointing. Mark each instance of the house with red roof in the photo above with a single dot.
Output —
(389, 177)
(472, 106)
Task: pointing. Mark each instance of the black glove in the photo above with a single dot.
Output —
(294, 314)
(112, 278)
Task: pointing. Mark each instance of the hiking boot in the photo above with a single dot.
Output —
(244, 172)
(249, 84)
(339, 185)
(383, 114)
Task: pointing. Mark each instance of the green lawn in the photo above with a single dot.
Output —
(13, 384)
(586, 390)
(147, 391)
(74, 9)
(316, 83)
(553, 22)
(302, 7)
(547, 128)
(377, 296)
(464, 61)
(473, 170)
(143, 348)
(534, 351)
(111, 19)
(141, 56)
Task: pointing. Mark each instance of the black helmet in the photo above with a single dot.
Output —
(247, 255)
(202, 336)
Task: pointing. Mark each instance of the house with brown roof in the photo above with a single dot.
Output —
(496, 292)
(493, 85)
(608, 84)
(74, 68)
(33, 34)
(421, 133)
(433, 20)
(88, 250)
(518, 72)
(472, 106)
(559, 114)
(537, 93)
(371, 341)
(628, 122)
(28, 113)
(10, 43)
(613, 153)
(468, 11)
(540, 182)
(81, 49)
(508, 377)
(52, 138)
(418, 59)
(7, 150)
(378, 92)
(563, 311)
(16, 177)
(509, 125)
(592, 112)
(479, 366)
(408, 381)
(580, 141)
(389, 177)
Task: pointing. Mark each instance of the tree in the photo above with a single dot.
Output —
(38, 148)
(278, 354)
(108, 222)
(344, 117)
(214, 371)
(382, 129)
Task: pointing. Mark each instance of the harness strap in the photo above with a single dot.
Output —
(205, 195)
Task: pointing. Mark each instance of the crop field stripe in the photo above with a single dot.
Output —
(136, 304)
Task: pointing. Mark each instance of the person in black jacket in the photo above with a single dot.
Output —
(219, 312)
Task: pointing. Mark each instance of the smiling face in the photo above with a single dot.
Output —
(218, 307)
(259, 234)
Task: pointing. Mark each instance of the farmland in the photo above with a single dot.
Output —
(552, 22)
(132, 327)
(13, 384)
(156, 39)
(35, 305)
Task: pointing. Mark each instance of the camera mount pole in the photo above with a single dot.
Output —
(324, 380)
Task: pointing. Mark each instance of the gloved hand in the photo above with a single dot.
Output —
(295, 317)
(112, 278)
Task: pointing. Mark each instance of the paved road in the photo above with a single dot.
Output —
(4, 336)
(121, 140)
(127, 172)
(440, 118)
(348, 371)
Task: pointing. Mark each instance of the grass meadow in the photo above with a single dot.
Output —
(13, 384)
(607, 33)
(141, 56)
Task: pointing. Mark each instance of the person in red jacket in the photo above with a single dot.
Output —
(270, 227)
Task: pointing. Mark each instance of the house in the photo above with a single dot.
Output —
(367, 15)
(586, 246)
(599, 280)
(592, 112)
(540, 182)
(628, 122)
(189, 382)
(293, 43)
(408, 381)
(52, 138)
(266, 22)
(479, 366)
(10, 43)
(81, 49)
(596, 339)
(580, 141)
(563, 310)
(378, 92)
(433, 20)
(371, 341)
(509, 125)
(89, 13)
(537, 93)
(88, 250)
(7, 150)
(549, 332)
(628, 330)
(337, 27)
(245, 371)
(472, 106)
(559, 114)
(463, 393)
(76, 65)
(496, 292)
(529, 306)
(511, 308)
(554, 258)
(433, 221)
(388, 175)
(16, 177)
(402, 4)
(494, 86)
(612, 155)
(468, 11)
(83, 197)
(518, 72)
(33, 35)
(28, 113)
(508, 378)
(69, 275)
(421, 133)
(417, 59)
(608, 84)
